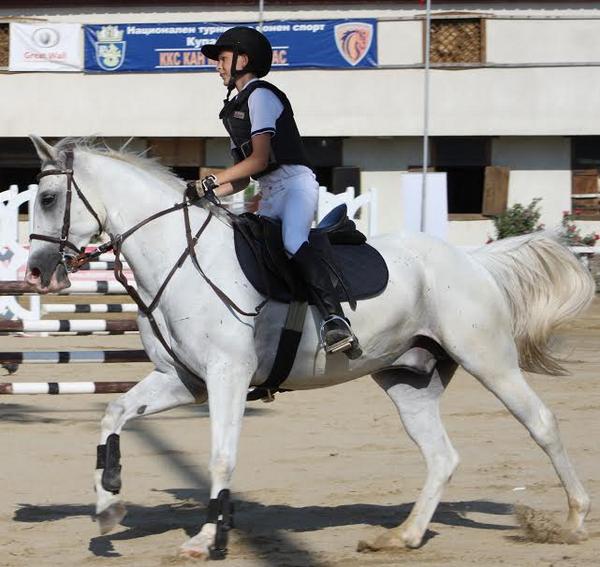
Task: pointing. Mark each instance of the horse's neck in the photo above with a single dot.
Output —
(129, 197)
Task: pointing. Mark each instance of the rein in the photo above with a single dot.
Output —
(73, 263)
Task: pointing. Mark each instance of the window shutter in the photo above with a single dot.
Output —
(179, 152)
(584, 194)
(3, 46)
(495, 190)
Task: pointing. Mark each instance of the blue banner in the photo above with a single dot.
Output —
(297, 44)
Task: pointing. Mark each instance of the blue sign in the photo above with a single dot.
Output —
(296, 44)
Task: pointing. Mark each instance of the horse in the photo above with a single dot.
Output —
(491, 310)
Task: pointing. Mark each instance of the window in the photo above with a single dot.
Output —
(3, 46)
(476, 189)
(585, 166)
(457, 41)
(324, 155)
(183, 155)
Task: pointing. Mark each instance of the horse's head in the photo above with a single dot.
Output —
(64, 218)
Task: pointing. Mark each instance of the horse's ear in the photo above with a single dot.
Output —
(44, 150)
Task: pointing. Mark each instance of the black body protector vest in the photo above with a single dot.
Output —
(286, 145)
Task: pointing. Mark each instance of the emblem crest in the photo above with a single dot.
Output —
(353, 40)
(110, 48)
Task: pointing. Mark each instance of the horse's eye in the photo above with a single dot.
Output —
(48, 199)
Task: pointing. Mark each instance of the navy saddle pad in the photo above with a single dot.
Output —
(358, 270)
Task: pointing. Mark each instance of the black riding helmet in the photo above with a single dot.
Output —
(249, 41)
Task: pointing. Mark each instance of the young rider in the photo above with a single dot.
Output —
(266, 145)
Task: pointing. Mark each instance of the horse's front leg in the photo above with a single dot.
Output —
(227, 390)
(157, 392)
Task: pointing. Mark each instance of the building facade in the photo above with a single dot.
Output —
(514, 88)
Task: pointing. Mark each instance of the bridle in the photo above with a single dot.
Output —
(72, 263)
(64, 242)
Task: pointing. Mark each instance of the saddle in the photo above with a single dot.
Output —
(357, 269)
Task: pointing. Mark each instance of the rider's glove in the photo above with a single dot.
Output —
(204, 187)
(190, 191)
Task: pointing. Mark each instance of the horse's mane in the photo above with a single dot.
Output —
(151, 165)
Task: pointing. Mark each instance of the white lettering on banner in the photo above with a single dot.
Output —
(212, 30)
(45, 47)
(159, 30)
(197, 42)
(308, 27)
(276, 27)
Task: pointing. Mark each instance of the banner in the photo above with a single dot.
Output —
(176, 47)
(45, 47)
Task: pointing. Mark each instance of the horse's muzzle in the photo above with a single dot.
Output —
(46, 273)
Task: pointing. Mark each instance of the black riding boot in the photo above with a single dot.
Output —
(336, 332)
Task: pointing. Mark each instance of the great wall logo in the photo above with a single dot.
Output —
(353, 40)
(110, 48)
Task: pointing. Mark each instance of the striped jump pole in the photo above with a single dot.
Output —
(90, 308)
(71, 357)
(69, 326)
(106, 287)
(110, 265)
(23, 388)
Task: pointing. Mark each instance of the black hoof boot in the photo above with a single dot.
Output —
(337, 336)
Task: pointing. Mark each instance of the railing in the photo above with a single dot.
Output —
(14, 248)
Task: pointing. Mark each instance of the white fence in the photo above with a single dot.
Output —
(13, 254)
(14, 238)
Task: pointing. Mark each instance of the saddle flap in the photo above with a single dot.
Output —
(358, 270)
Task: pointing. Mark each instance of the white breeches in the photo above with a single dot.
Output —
(290, 194)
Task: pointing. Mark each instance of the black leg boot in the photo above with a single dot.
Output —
(336, 332)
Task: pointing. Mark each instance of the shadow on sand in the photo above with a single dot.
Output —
(257, 524)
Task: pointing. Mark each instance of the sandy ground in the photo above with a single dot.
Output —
(318, 471)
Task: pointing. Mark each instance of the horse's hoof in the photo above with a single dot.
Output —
(198, 547)
(387, 541)
(109, 518)
(190, 551)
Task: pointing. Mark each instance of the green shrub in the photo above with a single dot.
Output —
(571, 235)
(518, 220)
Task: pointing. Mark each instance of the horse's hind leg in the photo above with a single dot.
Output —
(417, 400)
(155, 393)
(507, 383)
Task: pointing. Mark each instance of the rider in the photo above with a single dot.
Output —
(266, 145)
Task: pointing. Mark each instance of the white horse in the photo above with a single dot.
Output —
(491, 310)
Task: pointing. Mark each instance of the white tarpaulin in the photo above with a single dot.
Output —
(45, 47)
(436, 203)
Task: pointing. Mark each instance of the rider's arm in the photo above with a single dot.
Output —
(256, 162)
(226, 189)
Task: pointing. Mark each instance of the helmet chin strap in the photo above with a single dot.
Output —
(233, 73)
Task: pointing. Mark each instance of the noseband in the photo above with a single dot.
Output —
(64, 242)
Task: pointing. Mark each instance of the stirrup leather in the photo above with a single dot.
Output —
(342, 345)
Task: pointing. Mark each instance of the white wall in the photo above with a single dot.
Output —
(540, 168)
(538, 41)
(384, 102)
(350, 103)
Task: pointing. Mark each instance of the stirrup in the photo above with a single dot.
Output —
(342, 345)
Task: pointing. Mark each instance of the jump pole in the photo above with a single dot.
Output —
(75, 356)
(90, 308)
(18, 287)
(69, 326)
(54, 388)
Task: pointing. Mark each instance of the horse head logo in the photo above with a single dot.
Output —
(353, 40)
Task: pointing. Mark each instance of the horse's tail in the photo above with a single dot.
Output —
(545, 285)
